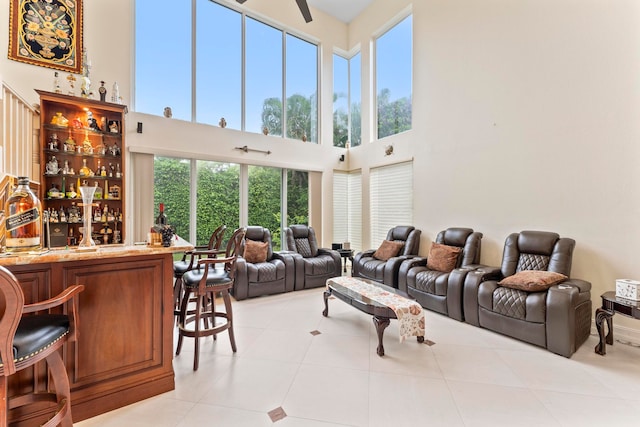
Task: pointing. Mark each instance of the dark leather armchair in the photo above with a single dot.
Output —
(386, 271)
(314, 265)
(276, 274)
(558, 319)
(441, 291)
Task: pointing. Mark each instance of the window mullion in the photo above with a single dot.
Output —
(284, 84)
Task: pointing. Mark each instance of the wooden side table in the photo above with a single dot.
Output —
(346, 254)
(610, 306)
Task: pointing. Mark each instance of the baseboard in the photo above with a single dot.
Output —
(621, 334)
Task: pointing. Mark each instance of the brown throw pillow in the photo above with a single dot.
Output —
(532, 280)
(255, 252)
(443, 257)
(388, 249)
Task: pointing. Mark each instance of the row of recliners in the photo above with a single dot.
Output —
(555, 315)
(302, 265)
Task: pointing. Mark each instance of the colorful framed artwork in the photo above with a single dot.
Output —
(47, 33)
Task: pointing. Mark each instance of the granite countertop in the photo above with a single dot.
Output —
(95, 252)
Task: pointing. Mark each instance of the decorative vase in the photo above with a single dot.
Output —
(87, 202)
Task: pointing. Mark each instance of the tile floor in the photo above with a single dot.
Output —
(468, 377)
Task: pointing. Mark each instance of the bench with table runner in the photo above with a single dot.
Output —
(382, 302)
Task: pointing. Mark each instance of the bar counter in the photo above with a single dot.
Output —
(125, 343)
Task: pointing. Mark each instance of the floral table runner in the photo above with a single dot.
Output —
(409, 313)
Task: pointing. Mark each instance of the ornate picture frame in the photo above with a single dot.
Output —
(47, 33)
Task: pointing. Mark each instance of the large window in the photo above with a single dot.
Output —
(216, 192)
(297, 197)
(355, 100)
(390, 198)
(393, 79)
(340, 101)
(264, 78)
(217, 198)
(172, 178)
(265, 189)
(219, 88)
(302, 89)
(280, 70)
(163, 74)
(346, 101)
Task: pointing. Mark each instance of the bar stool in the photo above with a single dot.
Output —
(204, 284)
(26, 340)
(184, 265)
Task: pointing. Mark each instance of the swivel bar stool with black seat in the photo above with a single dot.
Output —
(184, 265)
(26, 340)
(203, 284)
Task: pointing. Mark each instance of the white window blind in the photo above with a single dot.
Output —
(340, 207)
(391, 199)
(347, 209)
(355, 211)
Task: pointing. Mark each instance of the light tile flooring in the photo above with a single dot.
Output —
(469, 377)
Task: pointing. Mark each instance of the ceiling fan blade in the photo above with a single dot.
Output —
(304, 8)
(302, 4)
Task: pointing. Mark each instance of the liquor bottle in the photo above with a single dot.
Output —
(23, 219)
(162, 218)
(98, 192)
(84, 170)
(56, 83)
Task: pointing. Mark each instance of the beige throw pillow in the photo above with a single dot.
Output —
(255, 252)
(532, 280)
(388, 249)
(443, 257)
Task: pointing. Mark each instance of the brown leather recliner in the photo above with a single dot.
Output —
(275, 275)
(386, 272)
(441, 291)
(558, 319)
(314, 265)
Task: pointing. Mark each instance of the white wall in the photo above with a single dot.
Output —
(525, 117)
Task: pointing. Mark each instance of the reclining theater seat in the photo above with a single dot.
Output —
(436, 282)
(259, 270)
(526, 299)
(314, 265)
(382, 269)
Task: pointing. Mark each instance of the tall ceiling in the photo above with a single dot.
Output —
(344, 10)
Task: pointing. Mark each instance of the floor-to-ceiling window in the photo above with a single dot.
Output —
(214, 188)
(265, 195)
(163, 73)
(218, 65)
(172, 187)
(301, 89)
(346, 101)
(279, 70)
(217, 198)
(394, 58)
(263, 87)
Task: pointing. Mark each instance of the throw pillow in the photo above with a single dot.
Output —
(443, 257)
(532, 280)
(255, 252)
(388, 249)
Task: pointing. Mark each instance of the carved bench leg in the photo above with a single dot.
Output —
(381, 325)
(326, 295)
